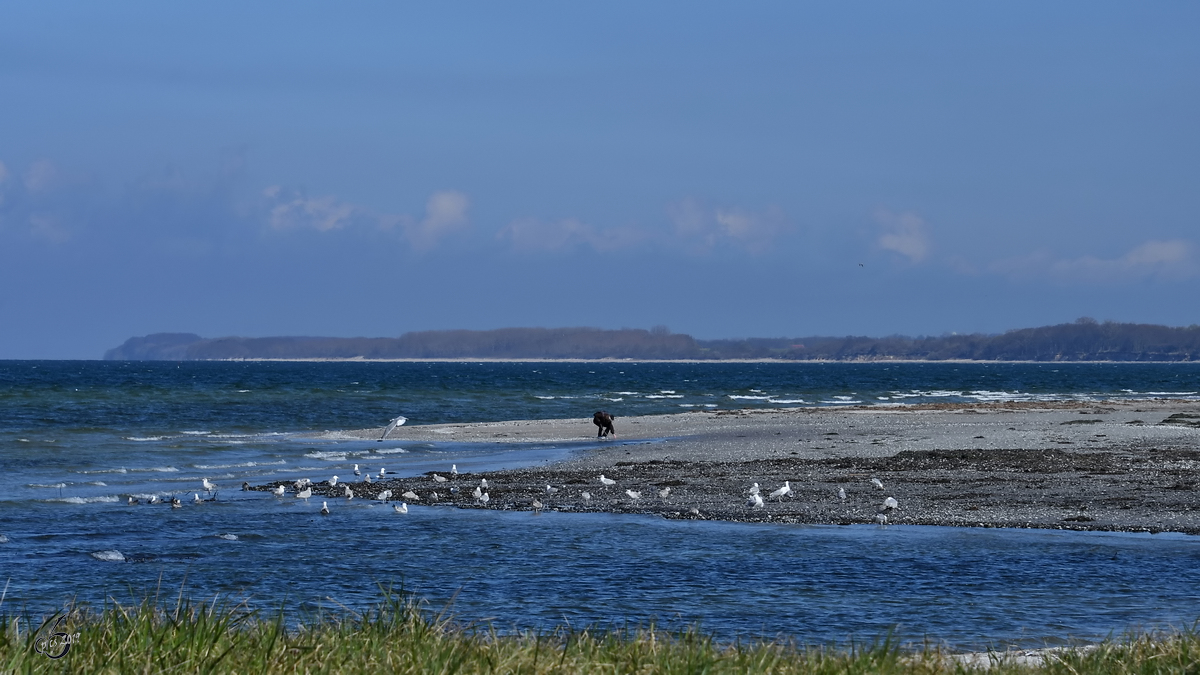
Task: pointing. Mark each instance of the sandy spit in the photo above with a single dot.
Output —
(1118, 466)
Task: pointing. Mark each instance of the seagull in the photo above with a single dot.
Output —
(607, 481)
(881, 519)
(302, 483)
(477, 493)
(197, 500)
(483, 483)
(439, 479)
(783, 491)
(304, 494)
(755, 501)
(485, 498)
(392, 425)
(453, 469)
(537, 506)
(367, 478)
(664, 492)
(153, 499)
(175, 503)
(401, 508)
(384, 496)
(410, 496)
(333, 481)
(754, 489)
(842, 494)
(453, 490)
(382, 472)
(245, 486)
(132, 501)
(877, 483)
(891, 503)
(356, 471)
(279, 490)
(551, 490)
(349, 493)
(587, 496)
(433, 497)
(633, 495)
(324, 508)
(208, 487)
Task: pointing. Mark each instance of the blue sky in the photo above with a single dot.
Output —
(725, 169)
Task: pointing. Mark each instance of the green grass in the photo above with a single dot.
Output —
(400, 636)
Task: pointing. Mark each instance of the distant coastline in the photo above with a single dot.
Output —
(1084, 340)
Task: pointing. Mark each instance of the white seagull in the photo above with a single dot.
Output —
(384, 496)
(551, 490)
(382, 472)
(279, 490)
(356, 471)
(877, 483)
(537, 506)
(304, 494)
(324, 508)
(301, 484)
(439, 479)
(783, 491)
(842, 494)
(402, 508)
(587, 496)
(349, 494)
(755, 501)
(483, 483)
(607, 481)
(485, 498)
(410, 496)
(367, 478)
(881, 519)
(477, 493)
(754, 489)
(333, 481)
(453, 469)
(633, 495)
(197, 500)
(392, 425)
(208, 487)
(664, 492)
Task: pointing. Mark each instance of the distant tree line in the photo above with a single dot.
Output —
(1083, 340)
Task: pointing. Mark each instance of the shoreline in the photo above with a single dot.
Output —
(1125, 466)
(361, 359)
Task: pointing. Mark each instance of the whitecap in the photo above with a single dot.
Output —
(228, 537)
(749, 398)
(54, 486)
(664, 396)
(785, 400)
(843, 401)
(144, 438)
(237, 466)
(122, 470)
(328, 456)
(666, 391)
(98, 482)
(84, 500)
(243, 391)
(626, 393)
(615, 399)
(391, 451)
(111, 555)
(160, 469)
(197, 433)
(544, 398)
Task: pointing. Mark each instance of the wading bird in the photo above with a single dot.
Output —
(208, 486)
(402, 508)
(304, 494)
(607, 481)
(537, 506)
(392, 425)
(279, 490)
(356, 471)
(197, 500)
(324, 508)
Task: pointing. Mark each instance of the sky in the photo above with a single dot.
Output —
(725, 169)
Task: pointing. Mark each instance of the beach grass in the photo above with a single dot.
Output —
(401, 636)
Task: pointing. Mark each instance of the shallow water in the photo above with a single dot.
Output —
(78, 438)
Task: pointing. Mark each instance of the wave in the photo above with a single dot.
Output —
(786, 400)
(328, 456)
(664, 395)
(144, 439)
(391, 451)
(749, 398)
(110, 555)
(53, 486)
(85, 500)
(227, 537)
(237, 466)
(196, 433)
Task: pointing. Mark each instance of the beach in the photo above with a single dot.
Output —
(1129, 466)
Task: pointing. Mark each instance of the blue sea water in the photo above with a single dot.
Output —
(78, 438)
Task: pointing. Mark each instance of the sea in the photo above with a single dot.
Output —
(78, 439)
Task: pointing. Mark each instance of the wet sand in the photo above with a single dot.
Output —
(1120, 466)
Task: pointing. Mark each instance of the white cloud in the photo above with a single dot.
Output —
(567, 234)
(701, 229)
(905, 233)
(40, 176)
(445, 212)
(1172, 259)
